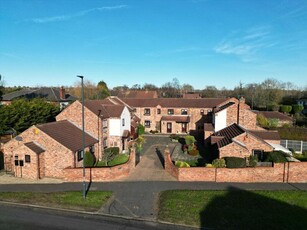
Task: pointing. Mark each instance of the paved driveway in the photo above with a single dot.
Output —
(151, 165)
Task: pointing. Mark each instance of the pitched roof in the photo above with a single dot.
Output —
(225, 106)
(179, 119)
(175, 102)
(67, 134)
(104, 108)
(50, 94)
(228, 133)
(142, 94)
(275, 115)
(265, 135)
(34, 147)
(191, 95)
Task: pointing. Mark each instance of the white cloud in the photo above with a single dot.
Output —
(246, 44)
(75, 15)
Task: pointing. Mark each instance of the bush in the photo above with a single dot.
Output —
(276, 157)
(182, 164)
(285, 108)
(189, 140)
(209, 166)
(193, 152)
(252, 161)
(114, 150)
(174, 136)
(141, 129)
(297, 108)
(235, 162)
(89, 159)
(219, 163)
(293, 133)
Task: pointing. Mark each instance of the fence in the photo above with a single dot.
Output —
(297, 146)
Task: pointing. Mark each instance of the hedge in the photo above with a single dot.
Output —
(89, 159)
(235, 162)
(276, 157)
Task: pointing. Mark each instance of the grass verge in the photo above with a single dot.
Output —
(235, 209)
(66, 200)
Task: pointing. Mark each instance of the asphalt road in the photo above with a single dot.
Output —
(29, 218)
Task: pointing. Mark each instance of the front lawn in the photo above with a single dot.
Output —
(67, 200)
(235, 209)
(117, 160)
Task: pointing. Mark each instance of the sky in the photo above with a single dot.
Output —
(128, 42)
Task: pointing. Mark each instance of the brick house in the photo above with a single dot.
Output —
(173, 115)
(110, 123)
(235, 140)
(46, 150)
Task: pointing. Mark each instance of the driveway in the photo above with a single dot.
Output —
(151, 165)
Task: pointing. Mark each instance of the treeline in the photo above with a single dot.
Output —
(267, 95)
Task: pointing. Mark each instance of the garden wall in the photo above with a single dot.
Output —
(290, 172)
(97, 174)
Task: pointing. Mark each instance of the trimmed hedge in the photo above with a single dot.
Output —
(235, 162)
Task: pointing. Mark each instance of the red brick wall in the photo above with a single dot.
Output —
(293, 172)
(233, 150)
(101, 174)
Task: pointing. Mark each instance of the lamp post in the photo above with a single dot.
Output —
(83, 139)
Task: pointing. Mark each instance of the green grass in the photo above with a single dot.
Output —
(119, 159)
(235, 209)
(67, 200)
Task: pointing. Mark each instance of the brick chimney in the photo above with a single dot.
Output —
(62, 93)
(241, 101)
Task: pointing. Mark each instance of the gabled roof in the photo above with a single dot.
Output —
(34, 147)
(274, 115)
(175, 102)
(178, 118)
(67, 134)
(228, 133)
(220, 108)
(50, 94)
(142, 94)
(104, 108)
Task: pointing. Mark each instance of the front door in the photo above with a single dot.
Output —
(169, 127)
(184, 128)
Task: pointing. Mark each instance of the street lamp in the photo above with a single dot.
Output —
(83, 139)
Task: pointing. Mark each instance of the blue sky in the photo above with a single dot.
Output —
(199, 42)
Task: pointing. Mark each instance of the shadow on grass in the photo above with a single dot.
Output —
(240, 209)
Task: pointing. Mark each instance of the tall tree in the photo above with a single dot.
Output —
(102, 90)
(210, 91)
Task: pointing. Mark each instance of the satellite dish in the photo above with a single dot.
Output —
(18, 138)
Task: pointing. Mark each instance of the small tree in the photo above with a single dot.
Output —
(286, 108)
(140, 129)
(297, 109)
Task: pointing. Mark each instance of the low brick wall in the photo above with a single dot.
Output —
(291, 172)
(101, 173)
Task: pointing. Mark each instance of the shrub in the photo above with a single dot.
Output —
(89, 159)
(189, 140)
(293, 133)
(252, 161)
(174, 136)
(114, 150)
(141, 129)
(285, 108)
(193, 152)
(182, 164)
(209, 166)
(273, 107)
(219, 163)
(262, 121)
(276, 157)
(235, 162)
(297, 108)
